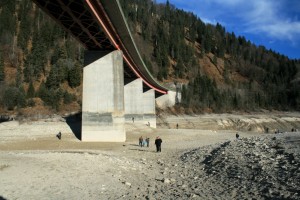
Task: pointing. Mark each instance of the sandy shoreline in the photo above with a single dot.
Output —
(34, 164)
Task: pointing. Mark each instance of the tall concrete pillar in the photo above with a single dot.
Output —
(149, 107)
(103, 97)
(133, 97)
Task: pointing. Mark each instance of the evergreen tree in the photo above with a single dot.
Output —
(7, 22)
(9, 98)
(14, 97)
(226, 72)
(74, 77)
(19, 79)
(21, 98)
(179, 72)
(206, 42)
(53, 80)
(25, 29)
(184, 95)
(62, 67)
(68, 98)
(31, 90)
(2, 75)
(43, 92)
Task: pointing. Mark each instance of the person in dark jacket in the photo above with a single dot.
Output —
(141, 140)
(147, 141)
(237, 136)
(158, 142)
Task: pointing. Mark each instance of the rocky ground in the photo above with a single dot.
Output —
(265, 167)
(256, 167)
(206, 163)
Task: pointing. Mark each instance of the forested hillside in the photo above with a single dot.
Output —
(41, 65)
(220, 71)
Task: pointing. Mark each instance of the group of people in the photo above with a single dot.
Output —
(145, 142)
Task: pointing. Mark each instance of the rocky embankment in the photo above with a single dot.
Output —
(250, 168)
(257, 122)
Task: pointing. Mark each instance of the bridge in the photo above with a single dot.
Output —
(117, 85)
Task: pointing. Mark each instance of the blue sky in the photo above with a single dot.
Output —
(274, 24)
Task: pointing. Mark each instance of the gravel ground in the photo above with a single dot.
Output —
(193, 164)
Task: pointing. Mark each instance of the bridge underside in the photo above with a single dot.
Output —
(92, 23)
(113, 67)
(76, 18)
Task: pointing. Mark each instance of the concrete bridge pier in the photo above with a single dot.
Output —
(133, 97)
(149, 107)
(103, 97)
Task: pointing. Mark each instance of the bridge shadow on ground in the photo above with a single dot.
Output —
(74, 122)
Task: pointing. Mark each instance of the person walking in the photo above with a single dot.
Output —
(158, 142)
(237, 136)
(147, 141)
(144, 142)
(141, 140)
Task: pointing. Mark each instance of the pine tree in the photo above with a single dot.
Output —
(2, 75)
(52, 80)
(19, 79)
(31, 90)
(26, 22)
(10, 98)
(43, 92)
(68, 98)
(7, 22)
(21, 98)
(74, 77)
(179, 69)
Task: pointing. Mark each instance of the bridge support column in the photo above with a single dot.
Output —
(133, 96)
(103, 97)
(149, 107)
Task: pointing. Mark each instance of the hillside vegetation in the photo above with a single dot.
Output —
(41, 65)
(219, 71)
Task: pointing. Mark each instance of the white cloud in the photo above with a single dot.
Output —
(261, 12)
(279, 30)
(268, 17)
(262, 17)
